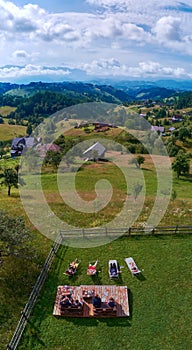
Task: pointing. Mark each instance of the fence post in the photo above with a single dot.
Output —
(129, 231)
(176, 229)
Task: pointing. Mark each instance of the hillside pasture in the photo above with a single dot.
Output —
(159, 301)
(9, 132)
(6, 110)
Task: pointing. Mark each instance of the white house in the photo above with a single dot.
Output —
(95, 152)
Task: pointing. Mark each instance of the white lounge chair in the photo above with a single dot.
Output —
(113, 269)
(132, 266)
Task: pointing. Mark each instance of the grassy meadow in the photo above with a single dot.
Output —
(160, 301)
(9, 132)
(6, 110)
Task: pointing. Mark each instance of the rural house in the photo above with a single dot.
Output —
(21, 144)
(95, 152)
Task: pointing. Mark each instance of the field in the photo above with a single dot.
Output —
(6, 110)
(160, 301)
(153, 314)
(9, 132)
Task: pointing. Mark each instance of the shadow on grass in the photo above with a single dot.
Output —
(150, 170)
(130, 300)
(140, 277)
(79, 321)
(116, 322)
(34, 332)
(118, 281)
(90, 322)
(96, 279)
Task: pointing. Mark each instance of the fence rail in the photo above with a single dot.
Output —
(132, 231)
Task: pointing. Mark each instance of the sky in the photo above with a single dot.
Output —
(84, 39)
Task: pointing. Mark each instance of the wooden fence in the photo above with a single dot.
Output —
(131, 231)
(83, 233)
(25, 314)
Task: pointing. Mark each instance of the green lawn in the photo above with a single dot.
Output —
(160, 302)
(12, 273)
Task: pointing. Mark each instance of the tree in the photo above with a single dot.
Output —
(137, 188)
(184, 133)
(53, 158)
(173, 195)
(181, 164)
(15, 238)
(137, 161)
(140, 160)
(29, 129)
(11, 179)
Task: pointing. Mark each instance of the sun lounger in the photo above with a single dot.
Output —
(132, 266)
(113, 269)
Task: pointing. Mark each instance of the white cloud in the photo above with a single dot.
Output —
(168, 29)
(128, 30)
(113, 67)
(20, 54)
(32, 71)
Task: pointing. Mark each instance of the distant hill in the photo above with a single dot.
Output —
(118, 93)
(70, 93)
(153, 93)
(80, 90)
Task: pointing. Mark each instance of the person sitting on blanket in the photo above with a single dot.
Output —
(97, 301)
(92, 268)
(113, 269)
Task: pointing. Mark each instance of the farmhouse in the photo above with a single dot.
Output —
(95, 152)
(159, 129)
(43, 149)
(101, 126)
(20, 144)
(177, 118)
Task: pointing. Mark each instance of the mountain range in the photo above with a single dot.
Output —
(109, 91)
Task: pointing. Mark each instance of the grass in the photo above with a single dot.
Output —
(13, 275)
(9, 132)
(6, 110)
(160, 301)
(178, 211)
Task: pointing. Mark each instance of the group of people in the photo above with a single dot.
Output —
(67, 301)
(97, 301)
(91, 270)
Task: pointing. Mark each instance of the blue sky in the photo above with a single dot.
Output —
(72, 39)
